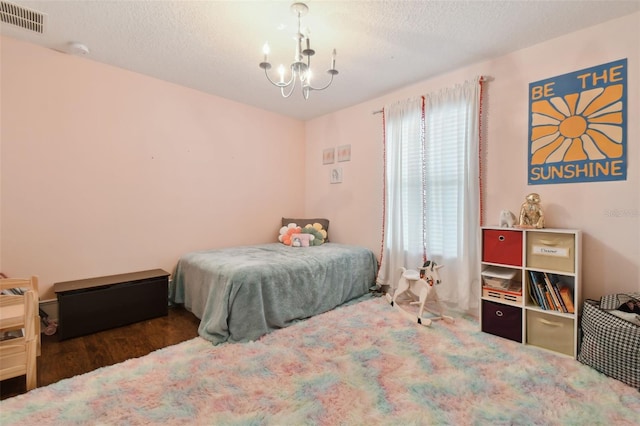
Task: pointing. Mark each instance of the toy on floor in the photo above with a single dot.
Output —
(421, 286)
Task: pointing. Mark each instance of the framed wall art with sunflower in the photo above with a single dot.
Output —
(578, 126)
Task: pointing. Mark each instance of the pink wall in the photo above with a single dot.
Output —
(104, 171)
(611, 250)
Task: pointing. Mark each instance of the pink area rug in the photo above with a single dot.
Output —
(358, 364)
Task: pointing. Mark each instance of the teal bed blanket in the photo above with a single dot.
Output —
(242, 293)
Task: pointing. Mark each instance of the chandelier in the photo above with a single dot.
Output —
(300, 68)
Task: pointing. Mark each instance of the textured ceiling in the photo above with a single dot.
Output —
(215, 46)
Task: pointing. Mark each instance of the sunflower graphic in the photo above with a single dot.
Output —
(578, 126)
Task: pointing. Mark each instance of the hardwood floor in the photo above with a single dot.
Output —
(63, 359)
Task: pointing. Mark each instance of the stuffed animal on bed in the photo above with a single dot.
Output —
(301, 240)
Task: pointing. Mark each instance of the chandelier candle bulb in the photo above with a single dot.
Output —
(333, 60)
(265, 50)
(281, 72)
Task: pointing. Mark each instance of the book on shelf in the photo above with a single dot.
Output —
(555, 280)
(567, 296)
(554, 296)
(547, 295)
(548, 305)
(532, 294)
(536, 289)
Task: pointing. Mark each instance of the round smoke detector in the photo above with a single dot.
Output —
(79, 49)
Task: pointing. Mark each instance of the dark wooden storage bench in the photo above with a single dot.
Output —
(95, 304)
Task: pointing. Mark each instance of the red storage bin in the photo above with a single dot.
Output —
(502, 246)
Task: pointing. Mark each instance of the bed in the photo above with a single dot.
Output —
(242, 293)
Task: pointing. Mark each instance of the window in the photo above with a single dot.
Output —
(432, 188)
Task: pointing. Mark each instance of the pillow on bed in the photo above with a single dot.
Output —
(288, 232)
(319, 234)
(304, 222)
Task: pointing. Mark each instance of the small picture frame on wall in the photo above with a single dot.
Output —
(328, 156)
(336, 175)
(344, 153)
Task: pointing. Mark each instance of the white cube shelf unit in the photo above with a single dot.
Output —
(531, 286)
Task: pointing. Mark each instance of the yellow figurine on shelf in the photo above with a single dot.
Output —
(531, 214)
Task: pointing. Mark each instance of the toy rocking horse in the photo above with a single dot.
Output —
(421, 286)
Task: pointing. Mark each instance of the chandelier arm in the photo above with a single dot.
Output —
(281, 85)
(310, 87)
(293, 86)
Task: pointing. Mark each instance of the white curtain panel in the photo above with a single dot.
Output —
(403, 239)
(453, 190)
(432, 190)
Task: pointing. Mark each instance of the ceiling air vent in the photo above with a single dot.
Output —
(21, 17)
